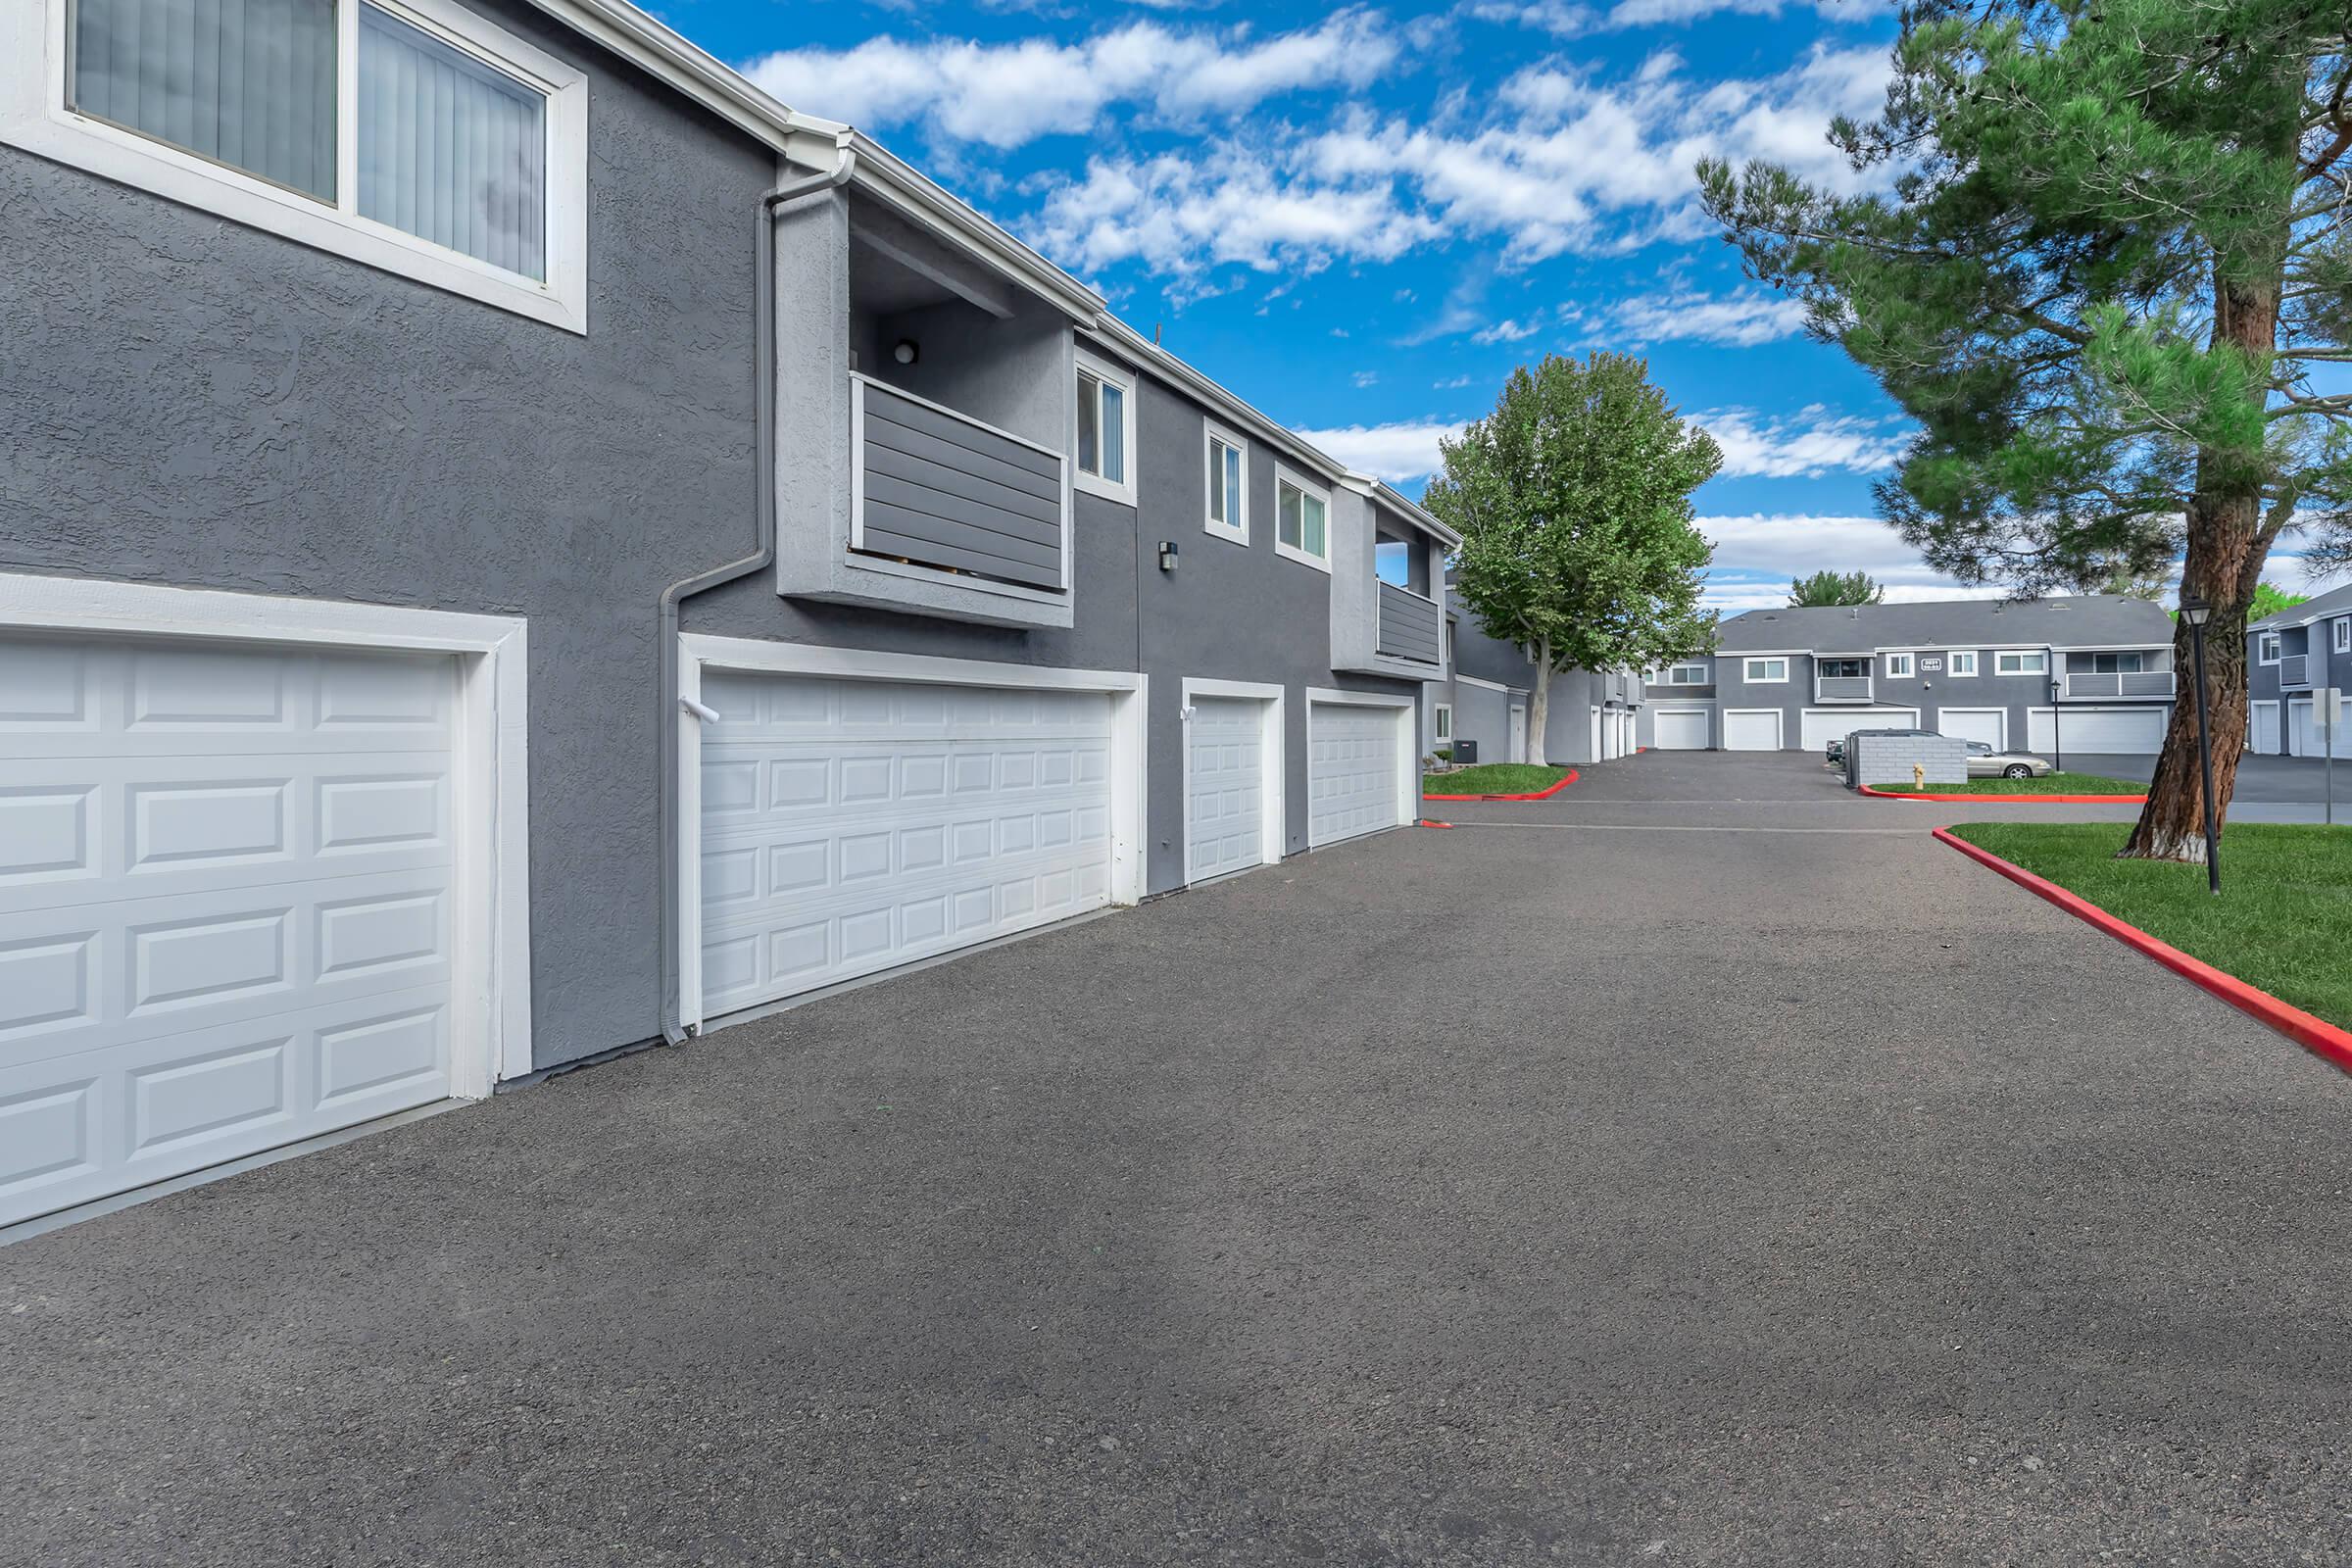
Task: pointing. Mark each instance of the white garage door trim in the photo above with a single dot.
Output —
(2254, 728)
(490, 989)
(1271, 766)
(1862, 717)
(1779, 734)
(1408, 781)
(2000, 724)
(1657, 728)
(699, 650)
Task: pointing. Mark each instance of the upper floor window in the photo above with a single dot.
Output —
(2115, 664)
(2343, 635)
(2267, 648)
(1301, 520)
(1106, 429)
(2016, 662)
(1227, 486)
(1899, 666)
(1688, 675)
(1962, 663)
(1843, 669)
(409, 135)
(1765, 671)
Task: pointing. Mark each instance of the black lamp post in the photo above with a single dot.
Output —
(2196, 611)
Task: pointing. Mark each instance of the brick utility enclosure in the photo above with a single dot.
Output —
(1887, 760)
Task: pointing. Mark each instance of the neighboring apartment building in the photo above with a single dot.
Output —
(2091, 674)
(495, 587)
(1488, 691)
(2302, 650)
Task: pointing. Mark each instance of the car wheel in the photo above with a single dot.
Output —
(2017, 770)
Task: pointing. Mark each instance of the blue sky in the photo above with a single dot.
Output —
(1361, 220)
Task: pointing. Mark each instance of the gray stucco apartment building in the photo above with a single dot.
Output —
(1487, 693)
(483, 590)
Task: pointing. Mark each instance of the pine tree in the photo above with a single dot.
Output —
(1835, 588)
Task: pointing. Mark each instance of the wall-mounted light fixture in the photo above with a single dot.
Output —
(908, 350)
(1168, 555)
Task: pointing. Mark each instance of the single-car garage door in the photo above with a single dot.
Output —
(1751, 729)
(1988, 724)
(1355, 761)
(1682, 729)
(2113, 730)
(1822, 726)
(851, 825)
(2266, 728)
(228, 894)
(1225, 786)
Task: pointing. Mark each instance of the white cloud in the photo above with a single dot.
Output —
(1396, 453)
(1806, 444)
(1758, 554)
(1657, 13)
(1508, 331)
(1365, 378)
(1005, 94)
(1450, 385)
(1736, 320)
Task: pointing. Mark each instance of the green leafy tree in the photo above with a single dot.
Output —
(1835, 588)
(2111, 281)
(1573, 501)
(2269, 599)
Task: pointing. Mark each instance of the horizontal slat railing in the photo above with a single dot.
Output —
(1842, 689)
(1410, 625)
(940, 489)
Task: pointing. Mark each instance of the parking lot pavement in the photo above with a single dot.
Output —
(1660, 1186)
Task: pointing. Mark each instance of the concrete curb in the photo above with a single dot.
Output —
(1540, 795)
(2315, 1035)
(1990, 799)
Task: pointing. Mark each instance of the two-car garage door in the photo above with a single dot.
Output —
(851, 825)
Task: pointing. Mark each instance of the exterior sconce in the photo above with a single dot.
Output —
(908, 350)
(1168, 555)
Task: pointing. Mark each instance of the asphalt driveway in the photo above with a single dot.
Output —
(1695, 1169)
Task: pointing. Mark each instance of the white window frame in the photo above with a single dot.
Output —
(1304, 486)
(1748, 675)
(2343, 635)
(1120, 490)
(1442, 723)
(1899, 666)
(2268, 648)
(1675, 675)
(33, 116)
(491, 986)
(1236, 525)
(2021, 655)
(1954, 667)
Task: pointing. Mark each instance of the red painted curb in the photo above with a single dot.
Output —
(1540, 795)
(1431, 821)
(2315, 1035)
(2006, 800)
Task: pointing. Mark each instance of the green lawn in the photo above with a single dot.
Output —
(2060, 783)
(1494, 778)
(2284, 921)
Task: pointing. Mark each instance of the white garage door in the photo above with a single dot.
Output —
(226, 890)
(2309, 739)
(1225, 786)
(2266, 728)
(1352, 761)
(1988, 724)
(1682, 729)
(2112, 730)
(1822, 726)
(1753, 729)
(849, 826)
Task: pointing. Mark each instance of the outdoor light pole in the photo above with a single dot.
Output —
(2196, 611)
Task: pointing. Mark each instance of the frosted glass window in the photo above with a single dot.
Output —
(249, 83)
(451, 149)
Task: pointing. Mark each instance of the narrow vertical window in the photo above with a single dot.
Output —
(1228, 513)
(1089, 423)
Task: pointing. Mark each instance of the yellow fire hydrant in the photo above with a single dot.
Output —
(1918, 777)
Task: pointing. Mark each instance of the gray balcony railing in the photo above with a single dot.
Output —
(941, 489)
(1410, 625)
(2295, 670)
(2081, 685)
(1842, 689)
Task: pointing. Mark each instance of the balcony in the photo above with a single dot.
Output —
(940, 490)
(2085, 686)
(1842, 689)
(2295, 670)
(1410, 627)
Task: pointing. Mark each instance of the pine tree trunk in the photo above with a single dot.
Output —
(1539, 707)
(2225, 519)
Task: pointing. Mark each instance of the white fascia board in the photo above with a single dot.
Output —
(1413, 511)
(928, 205)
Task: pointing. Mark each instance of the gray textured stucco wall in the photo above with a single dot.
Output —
(186, 401)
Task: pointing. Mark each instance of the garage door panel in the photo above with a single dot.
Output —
(1988, 724)
(850, 826)
(2115, 730)
(1752, 730)
(1224, 807)
(1679, 729)
(1353, 753)
(1819, 727)
(227, 902)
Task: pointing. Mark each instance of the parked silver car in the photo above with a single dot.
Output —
(1985, 763)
